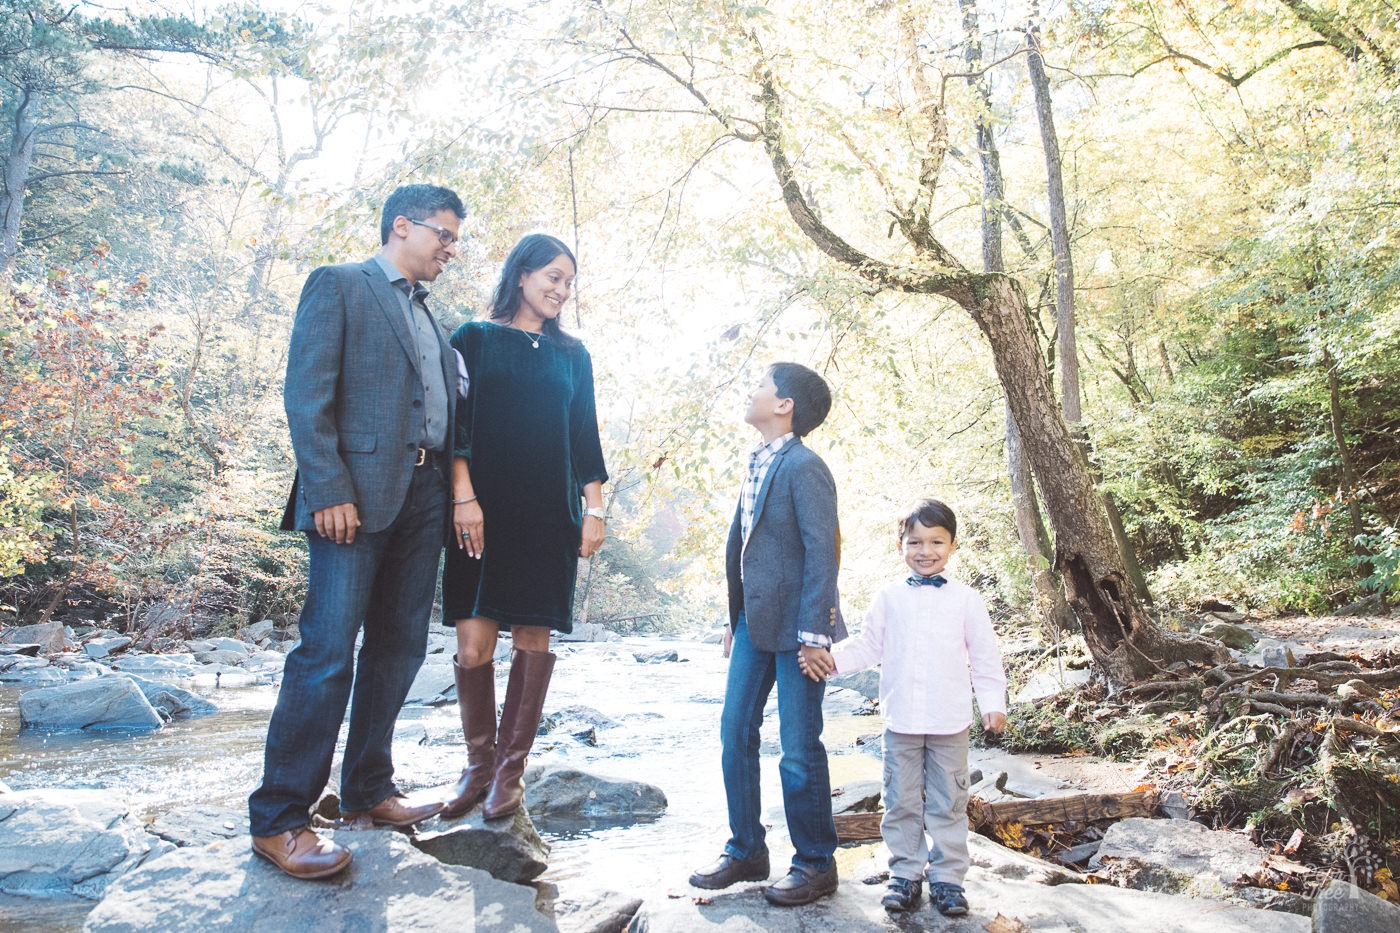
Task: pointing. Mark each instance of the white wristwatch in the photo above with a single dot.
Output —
(596, 513)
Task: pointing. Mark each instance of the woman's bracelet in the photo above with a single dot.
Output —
(464, 501)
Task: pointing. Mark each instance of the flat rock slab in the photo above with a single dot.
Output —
(1000, 883)
(1179, 855)
(390, 886)
(60, 842)
(51, 637)
(200, 824)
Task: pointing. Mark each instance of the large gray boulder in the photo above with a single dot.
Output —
(1344, 908)
(572, 794)
(101, 703)
(1000, 882)
(390, 886)
(509, 850)
(63, 843)
(51, 637)
(172, 702)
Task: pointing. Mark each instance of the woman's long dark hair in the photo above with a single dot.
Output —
(534, 251)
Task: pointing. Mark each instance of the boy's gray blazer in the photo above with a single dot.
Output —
(354, 396)
(789, 566)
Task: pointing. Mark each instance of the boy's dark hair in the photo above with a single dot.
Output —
(533, 252)
(811, 397)
(417, 202)
(931, 514)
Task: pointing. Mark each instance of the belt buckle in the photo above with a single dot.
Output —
(422, 456)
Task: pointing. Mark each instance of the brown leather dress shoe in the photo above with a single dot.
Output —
(303, 854)
(727, 870)
(393, 811)
(802, 886)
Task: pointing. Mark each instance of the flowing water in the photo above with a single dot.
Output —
(667, 734)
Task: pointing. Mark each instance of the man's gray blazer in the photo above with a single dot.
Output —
(354, 396)
(788, 580)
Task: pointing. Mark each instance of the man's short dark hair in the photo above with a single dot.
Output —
(417, 202)
(811, 397)
(931, 514)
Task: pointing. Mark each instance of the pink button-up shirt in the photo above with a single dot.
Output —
(935, 646)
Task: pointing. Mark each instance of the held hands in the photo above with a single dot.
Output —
(727, 642)
(593, 532)
(816, 663)
(994, 722)
(468, 523)
(338, 522)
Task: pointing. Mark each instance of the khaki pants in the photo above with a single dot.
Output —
(926, 793)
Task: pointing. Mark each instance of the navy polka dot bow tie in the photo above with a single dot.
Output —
(936, 580)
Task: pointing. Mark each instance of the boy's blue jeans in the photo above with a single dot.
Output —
(803, 769)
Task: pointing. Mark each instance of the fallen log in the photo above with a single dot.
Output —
(1082, 808)
(1037, 811)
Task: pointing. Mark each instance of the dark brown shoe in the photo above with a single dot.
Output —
(303, 854)
(393, 811)
(802, 886)
(727, 870)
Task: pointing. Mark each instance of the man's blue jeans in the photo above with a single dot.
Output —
(803, 769)
(385, 582)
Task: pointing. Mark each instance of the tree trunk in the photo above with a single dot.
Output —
(1047, 596)
(1347, 480)
(1064, 291)
(1046, 588)
(17, 164)
(1059, 230)
(1124, 640)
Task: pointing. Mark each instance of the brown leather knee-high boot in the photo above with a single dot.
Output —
(520, 720)
(476, 702)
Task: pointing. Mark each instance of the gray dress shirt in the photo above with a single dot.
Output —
(427, 336)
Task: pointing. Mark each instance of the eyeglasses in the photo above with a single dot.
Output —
(445, 237)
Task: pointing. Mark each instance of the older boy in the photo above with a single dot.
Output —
(935, 645)
(781, 563)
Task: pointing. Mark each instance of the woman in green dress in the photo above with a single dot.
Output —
(527, 491)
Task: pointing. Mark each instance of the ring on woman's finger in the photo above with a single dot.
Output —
(466, 534)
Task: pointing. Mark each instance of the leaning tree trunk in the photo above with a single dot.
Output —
(1124, 640)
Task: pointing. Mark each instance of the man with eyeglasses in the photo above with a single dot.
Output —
(370, 397)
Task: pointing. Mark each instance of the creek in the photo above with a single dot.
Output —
(667, 734)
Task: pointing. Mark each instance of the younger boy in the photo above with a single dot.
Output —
(927, 633)
(781, 564)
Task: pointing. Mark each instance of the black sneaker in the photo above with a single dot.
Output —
(948, 898)
(902, 894)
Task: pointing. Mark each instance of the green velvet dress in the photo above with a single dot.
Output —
(529, 429)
